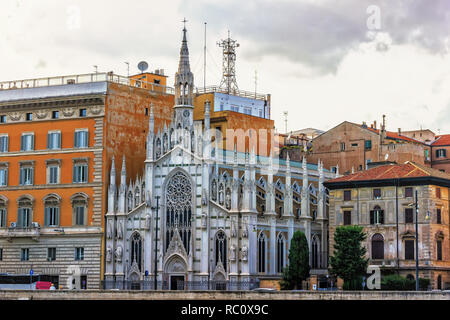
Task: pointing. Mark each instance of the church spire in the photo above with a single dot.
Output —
(184, 79)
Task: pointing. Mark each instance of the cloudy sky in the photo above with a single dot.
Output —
(322, 61)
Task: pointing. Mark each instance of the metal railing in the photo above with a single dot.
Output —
(147, 285)
(240, 93)
(84, 78)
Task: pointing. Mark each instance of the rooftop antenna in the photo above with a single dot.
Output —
(285, 113)
(228, 64)
(204, 63)
(128, 69)
(142, 66)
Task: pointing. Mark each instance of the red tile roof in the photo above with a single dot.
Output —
(442, 140)
(393, 171)
(395, 135)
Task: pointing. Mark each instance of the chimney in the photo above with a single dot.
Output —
(399, 131)
(374, 124)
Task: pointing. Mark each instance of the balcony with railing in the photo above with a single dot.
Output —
(33, 232)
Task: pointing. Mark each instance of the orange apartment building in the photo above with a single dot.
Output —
(57, 138)
(440, 153)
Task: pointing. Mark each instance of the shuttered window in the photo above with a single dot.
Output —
(377, 246)
(81, 139)
(80, 172)
(2, 218)
(377, 216)
(51, 216)
(408, 192)
(24, 218)
(439, 250)
(27, 142)
(26, 176)
(347, 218)
(409, 249)
(438, 216)
(347, 195)
(4, 143)
(3, 176)
(79, 215)
(409, 215)
(54, 140)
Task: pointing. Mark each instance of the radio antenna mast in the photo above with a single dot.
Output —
(204, 63)
(228, 62)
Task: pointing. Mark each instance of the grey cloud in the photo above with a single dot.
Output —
(319, 35)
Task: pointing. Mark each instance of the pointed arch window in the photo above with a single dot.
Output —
(262, 251)
(315, 252)
(179, 209)
(136, 249)
(221, 248)
(280, 253)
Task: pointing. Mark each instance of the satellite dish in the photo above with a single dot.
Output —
(142, 66)
(386, 156)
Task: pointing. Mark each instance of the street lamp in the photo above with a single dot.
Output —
(156, 242)
(416, 205)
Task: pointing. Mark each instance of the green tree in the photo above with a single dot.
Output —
(348, 261)
(298, 268)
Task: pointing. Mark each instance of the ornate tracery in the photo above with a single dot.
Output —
(179, 209)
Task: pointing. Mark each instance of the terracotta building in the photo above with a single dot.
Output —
(57, 138)
(238, 117)
(440, 153)
(350, 147)
(382, 200)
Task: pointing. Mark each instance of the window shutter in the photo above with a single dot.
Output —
(19, 217)
(57, 217)
(59, 140)
(22, 143)
(32, 142)
(74, 173)
(444, 153)
(7, 144)
(6, 176)
(75, 140)
(49, 140)
(20, 176)
(372, 220)
(381, 213)
(86, 142)
(46, 216)
(32, 175)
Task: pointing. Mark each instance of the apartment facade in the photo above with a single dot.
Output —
(382, 200)
(440, 153)
(57, 136)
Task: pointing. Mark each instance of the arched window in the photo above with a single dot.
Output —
(280, 252)
(52, 204)
(221, 248)
(3, 211)
(24, 211)
(377, 246)
(79, 209)
(179, 209)
(315, 252)
(262, 242)
(136, 249)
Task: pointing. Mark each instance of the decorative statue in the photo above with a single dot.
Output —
(245, 229)
(119, 230)
(203, 219)
(204, 197)
(232, 252)
(108, 254)
(233, 229)
(118, 254)
(228, 200)
(244, 253)
(109, 233)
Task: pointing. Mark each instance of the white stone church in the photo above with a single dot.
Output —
(227, 220)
